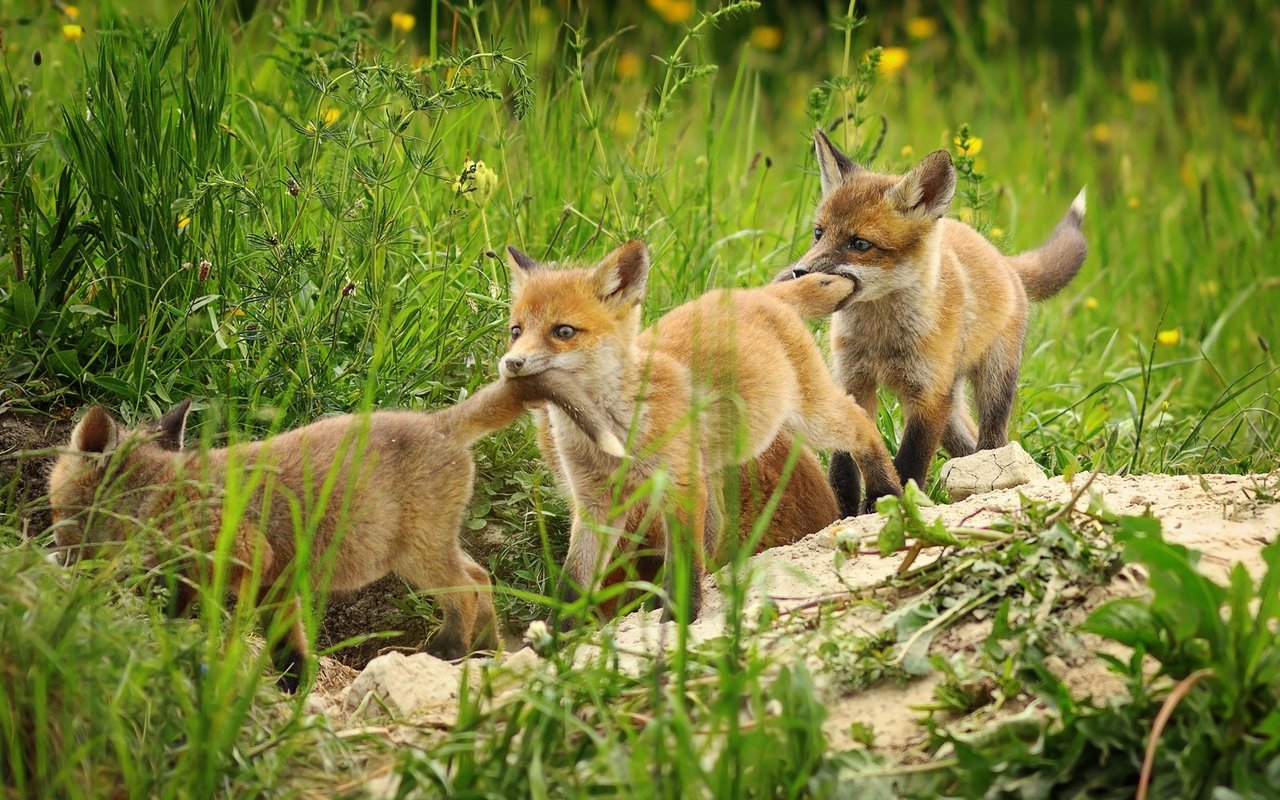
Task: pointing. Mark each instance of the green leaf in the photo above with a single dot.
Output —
(1127, 621)
(23, 300)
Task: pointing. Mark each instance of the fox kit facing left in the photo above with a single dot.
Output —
(401, 484)
(937, 305)
(710, 386)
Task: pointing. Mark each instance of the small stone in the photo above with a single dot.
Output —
(401, 685)
(989, 470)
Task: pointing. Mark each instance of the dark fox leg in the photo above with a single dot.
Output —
(843, 473)
(288, 646)
(926, 422)
(995, 386)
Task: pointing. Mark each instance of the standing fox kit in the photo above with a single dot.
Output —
(936, 304)
(401, 483)
(710, 386)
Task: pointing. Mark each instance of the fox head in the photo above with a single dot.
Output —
(91, 482)
(880, 230)
(578, 322)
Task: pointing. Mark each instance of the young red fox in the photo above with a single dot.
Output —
(936, 304)
(709, 387)
(401, 483)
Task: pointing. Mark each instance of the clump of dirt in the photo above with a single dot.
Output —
(383, 605)
(27, 450)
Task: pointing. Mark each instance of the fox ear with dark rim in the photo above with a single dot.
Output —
(522, 265)
(96, 432)
(833, 166)
(926, 191)
(623, 274)
(171, 430)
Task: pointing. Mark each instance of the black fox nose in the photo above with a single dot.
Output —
(513, 364)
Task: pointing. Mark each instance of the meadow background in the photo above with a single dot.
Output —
(274, 208)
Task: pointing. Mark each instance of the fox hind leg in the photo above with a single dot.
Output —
(960, 437)
(995, 387)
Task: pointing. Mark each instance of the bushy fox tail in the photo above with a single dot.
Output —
(502, 402)
(1051, 266)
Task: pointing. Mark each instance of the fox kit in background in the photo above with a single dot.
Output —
(709, 387)
(936, 304)
(402, 481)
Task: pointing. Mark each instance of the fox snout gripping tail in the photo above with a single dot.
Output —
(935, 305)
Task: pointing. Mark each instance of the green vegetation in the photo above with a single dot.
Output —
(279, 210)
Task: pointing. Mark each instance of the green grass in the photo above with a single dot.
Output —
(258, 210)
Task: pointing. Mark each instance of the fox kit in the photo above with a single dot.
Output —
(936, 304)
(709, 387)
(402, 481)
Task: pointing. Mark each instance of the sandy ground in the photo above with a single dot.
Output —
(1225, 517)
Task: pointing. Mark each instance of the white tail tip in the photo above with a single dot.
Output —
(611, 445)
(1078, 205)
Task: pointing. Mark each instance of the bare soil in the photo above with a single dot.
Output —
(1228, 518)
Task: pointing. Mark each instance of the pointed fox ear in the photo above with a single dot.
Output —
(522, 265)
(833, 166)
(622, 275)
(172, 427)
(926, 191)
(97, 432)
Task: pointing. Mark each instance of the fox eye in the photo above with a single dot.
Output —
(860, 244)
(564, 332)
(817, 232)
(516, 330)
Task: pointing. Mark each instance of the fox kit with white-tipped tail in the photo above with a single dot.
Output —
(936, 304)
(710, 386)
(374, 493)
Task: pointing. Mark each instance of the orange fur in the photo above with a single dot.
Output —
(936, 305)
(401, 485)
(711, 385)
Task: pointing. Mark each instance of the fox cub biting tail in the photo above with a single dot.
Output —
(361, 494)
(709, 387)
(936, 304)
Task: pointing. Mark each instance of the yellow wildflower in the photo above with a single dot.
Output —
(1133, 202)
(237, 312)
(701, 161)
(1101, 133)
(673, 11)
(1168, 338)
(72, 12)
(73, 32)
(1143, 92)
(921, 28)
(892, 60)
(907, 150)
(1091, 303)
(403, 22)
(969, 148)
(624, 123)
(331, 116)
(1209, 288)
(476, 182)
(628, 65)
(540, 15)
(766, 37)
(183, 222)
(997, 233)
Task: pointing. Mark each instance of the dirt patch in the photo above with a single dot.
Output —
(27, 444)
(1227, 518)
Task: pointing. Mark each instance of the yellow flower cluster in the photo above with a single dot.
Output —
(403, 22)
(921, 28)
(477, 182)
(766, 37)
(73, 33)
(968, 148)
(892, 60)
(673, 11)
